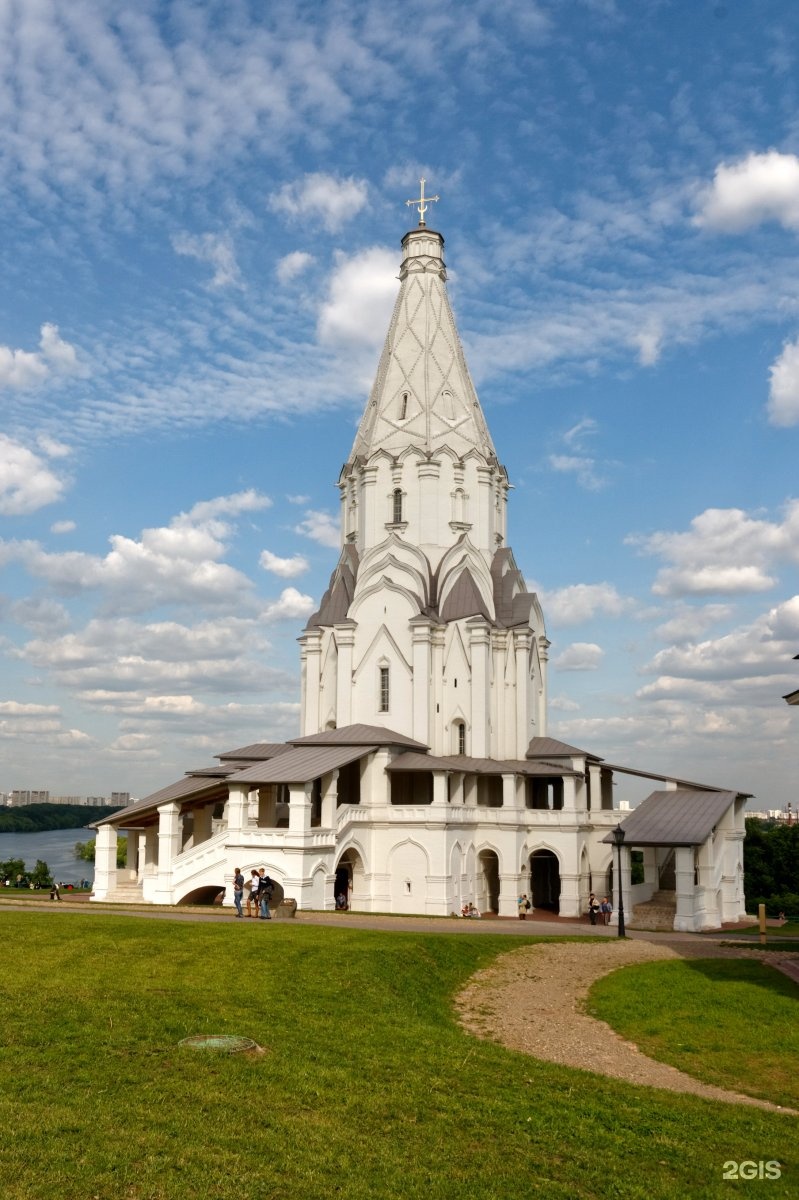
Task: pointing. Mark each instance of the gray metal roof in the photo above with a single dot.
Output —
(258, 751)
(359, 735)
(547, 747)
(690, 784)
(676, 818)
(189, 785)
(477, 766)
(300, 765)
(792, 698)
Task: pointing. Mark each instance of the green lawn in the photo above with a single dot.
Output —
(368, 1087)
(732, 1022)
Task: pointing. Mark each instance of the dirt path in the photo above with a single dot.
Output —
(552, 982)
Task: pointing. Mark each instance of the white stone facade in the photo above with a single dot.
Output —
(423, 778)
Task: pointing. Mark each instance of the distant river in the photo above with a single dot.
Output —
(56, 848)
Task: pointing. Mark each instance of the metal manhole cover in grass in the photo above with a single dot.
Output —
(224, 1043)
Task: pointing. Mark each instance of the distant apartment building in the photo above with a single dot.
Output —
(21, 797)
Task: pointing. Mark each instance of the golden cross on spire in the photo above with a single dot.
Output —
(422, 203)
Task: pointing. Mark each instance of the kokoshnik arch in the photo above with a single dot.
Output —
(423, 777)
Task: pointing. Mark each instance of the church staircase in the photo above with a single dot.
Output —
(656, 914)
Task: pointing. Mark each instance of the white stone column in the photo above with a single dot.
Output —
(594, 787)
(131, 855)
(345, 640)
(569, 792)
(684, 876)
(202, 823)
(267, 806)
(329, 800)
(484, 511)
(367, 507)
(142, 854)
(168, 850)
(105, 862)
(238, 805)
(300, 806)
(508, 791)
(439, 789)
(457, 796)
(375, 781)
(570, 894)
(499, 698)
(470, 791)
(508, 894)
(421, 629)
(428, 471)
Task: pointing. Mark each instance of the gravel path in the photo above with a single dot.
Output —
(552, 982)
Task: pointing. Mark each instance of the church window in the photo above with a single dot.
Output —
(396, 509)
(384, 690)
(403, 406)
(460, 737)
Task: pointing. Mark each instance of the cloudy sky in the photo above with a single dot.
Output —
(202, 205)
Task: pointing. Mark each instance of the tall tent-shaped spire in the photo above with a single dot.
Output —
(423, 394)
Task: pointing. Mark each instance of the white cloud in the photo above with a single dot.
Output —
(579, 656)
(26, 482)
(13, 708)
(783, 401)
(760, 187)
(52, 448)
(576, 436)
(290, 605)
(581, 467)
(62, 527)
(320, 527)
(174, 564)
(331, 200)
(689, 622)
(287, 568)
(292, 265)
(725, 551)
(21, 370)
(650, 343)
(581, 602)
(361, 297)
(217, 250)
(764, 647)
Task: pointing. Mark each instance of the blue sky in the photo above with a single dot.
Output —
(201, 211)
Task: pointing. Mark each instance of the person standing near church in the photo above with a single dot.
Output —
(593, 908)
(252, 898)
(265, 889)
(238, 890)
(524, 906)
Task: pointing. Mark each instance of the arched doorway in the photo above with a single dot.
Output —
(488, 881)
(348, 880)
(545, 880)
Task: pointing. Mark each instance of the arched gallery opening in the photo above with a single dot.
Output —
(545, 880)
(488, 881)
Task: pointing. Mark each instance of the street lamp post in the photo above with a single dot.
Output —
(618, 838)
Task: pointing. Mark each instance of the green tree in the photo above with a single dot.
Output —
(11, 868)
(86, 851)
(41, 874)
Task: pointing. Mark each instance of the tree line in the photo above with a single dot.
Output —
(39, 818)
(771, 866)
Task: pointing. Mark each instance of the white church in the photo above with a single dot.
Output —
(423, 777)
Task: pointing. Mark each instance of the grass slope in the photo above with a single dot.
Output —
(732, 1022)
(368, 1089)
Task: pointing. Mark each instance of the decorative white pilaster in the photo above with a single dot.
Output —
(267, 806)
(105, 862)
(437, 639)
(569, 792)
(684, 876)
(569, 894)
(508, 791)
(367, 525)
(479, 640)
(132, 856)
(421, 633)
(522, 643)
(313, 670)
(345, 640)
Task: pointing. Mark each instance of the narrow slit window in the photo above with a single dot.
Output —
(461, 738)
(384, 689)
(396, 514)
(403, 406)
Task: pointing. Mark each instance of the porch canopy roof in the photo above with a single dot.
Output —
(478, 766)
(684, 817)
(300, 764)
(190, 786)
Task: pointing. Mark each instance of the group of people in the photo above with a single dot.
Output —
(469, 910)
(599, 909)
(261, 890)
